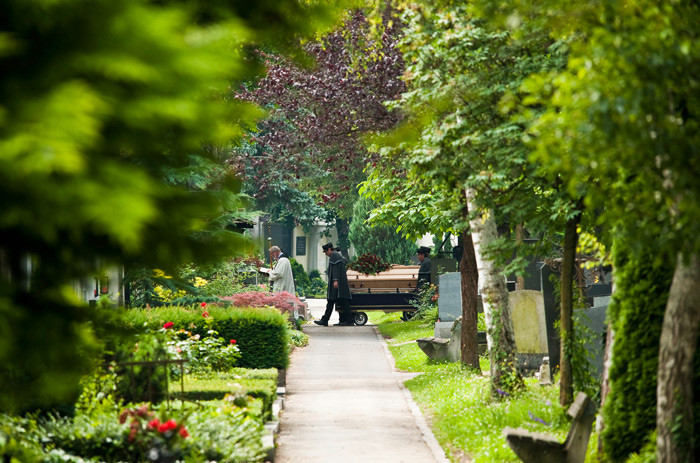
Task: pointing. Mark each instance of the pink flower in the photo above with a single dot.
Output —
(233, 341)
(168, 325)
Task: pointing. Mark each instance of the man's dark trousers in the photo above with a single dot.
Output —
(343, 311)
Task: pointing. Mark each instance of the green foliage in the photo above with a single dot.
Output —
(191, 283)
(202, 354)
(302, 282)
(426, 303)
(298, 338)
(99, 392)
(261, 334)
(221, 279)
(463, 81)
(108, 157)
(466, 419)
(585, 379)
(142, 382)
(211, 432)
(232, 386)
(379, 240)
(642, 282)
(225, 436)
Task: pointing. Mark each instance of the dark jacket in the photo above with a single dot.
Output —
(337, 272)
(424, 272)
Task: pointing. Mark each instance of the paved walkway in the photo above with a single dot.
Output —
(346, 403)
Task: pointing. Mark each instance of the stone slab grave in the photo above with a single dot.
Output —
(530, 328)
(449, 303)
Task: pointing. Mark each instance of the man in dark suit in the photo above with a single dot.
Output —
(424, 270)
(338, 288)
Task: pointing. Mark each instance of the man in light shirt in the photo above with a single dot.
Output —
(281, 276)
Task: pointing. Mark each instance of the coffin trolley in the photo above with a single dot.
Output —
(388, 291)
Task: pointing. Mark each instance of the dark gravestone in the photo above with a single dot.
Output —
(594, 320)
(532, 269)
(596, 293)
(551, 315)
(532, 277)
(440, 266)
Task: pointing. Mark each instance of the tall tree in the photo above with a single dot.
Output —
(312, 137)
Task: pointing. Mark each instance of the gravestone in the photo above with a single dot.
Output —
(597, 294)
(530, 329)
(594, 319)
(449, 303)
(551, 315)
(527, 312)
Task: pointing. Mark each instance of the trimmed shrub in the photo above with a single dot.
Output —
(261, 334)
(642, 282)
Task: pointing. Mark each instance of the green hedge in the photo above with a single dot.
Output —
(642, 282)
(262, 335)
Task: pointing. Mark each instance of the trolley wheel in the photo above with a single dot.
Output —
(407, 316)
(360, 318)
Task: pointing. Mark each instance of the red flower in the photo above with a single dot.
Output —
(167, 426)
(184, 433)
(233, 341)
(205, 314)
(204, 304)
(153, 424)
(168, 325)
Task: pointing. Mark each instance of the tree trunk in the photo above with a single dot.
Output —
(494, 294)
(343, 228)
(566, 388)
(470, 288)
(677, 347)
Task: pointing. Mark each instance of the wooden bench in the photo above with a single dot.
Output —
(540, 448)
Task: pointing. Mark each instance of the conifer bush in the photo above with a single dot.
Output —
(642, 282)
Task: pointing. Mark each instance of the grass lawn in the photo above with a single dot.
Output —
(466, 420)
